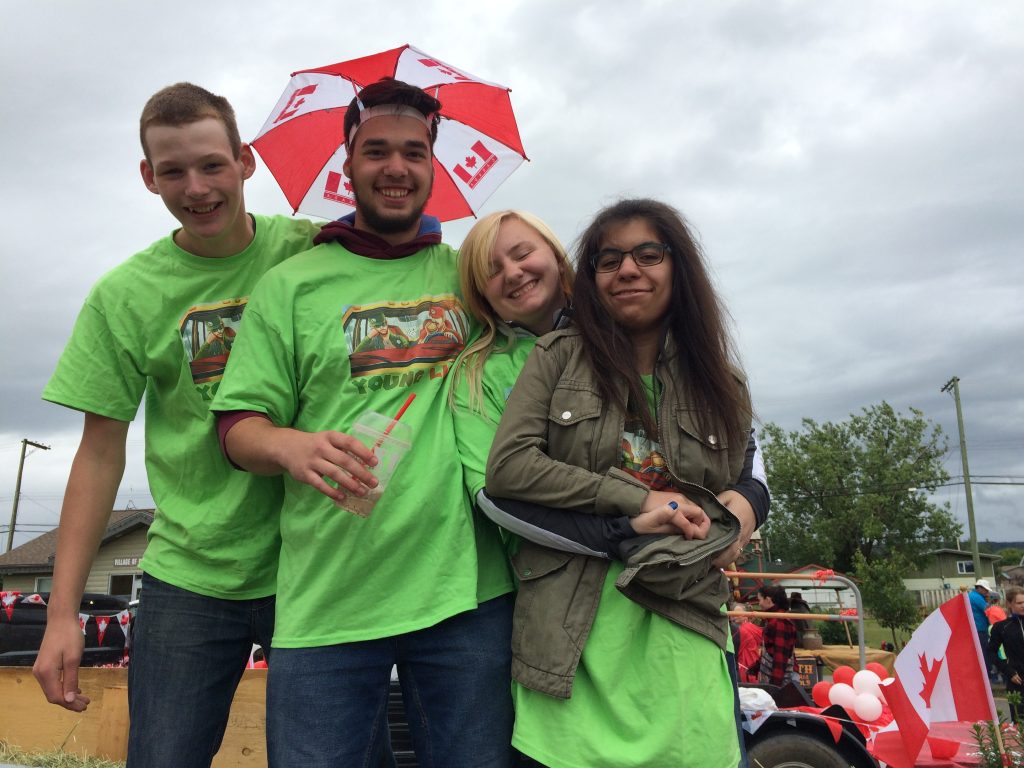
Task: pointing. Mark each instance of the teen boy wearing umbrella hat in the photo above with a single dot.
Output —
(210, 565)
(417, 584)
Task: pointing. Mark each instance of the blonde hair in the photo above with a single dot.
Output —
(474, 272)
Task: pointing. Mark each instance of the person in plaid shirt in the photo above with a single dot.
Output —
(777, 663)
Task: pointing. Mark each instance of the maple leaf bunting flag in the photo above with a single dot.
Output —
(940, 678)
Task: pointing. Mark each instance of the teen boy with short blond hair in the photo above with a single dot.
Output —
(162, 325)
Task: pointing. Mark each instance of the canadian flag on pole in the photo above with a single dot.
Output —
(940, 678)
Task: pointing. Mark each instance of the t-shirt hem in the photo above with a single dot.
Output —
(483, 597)
(207, 590)
(85, 407)
(364, 633)
(540, 756)
(552, 761)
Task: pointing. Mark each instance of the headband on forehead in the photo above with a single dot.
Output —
(387, 110)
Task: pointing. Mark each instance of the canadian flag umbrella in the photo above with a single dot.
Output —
(303, 142)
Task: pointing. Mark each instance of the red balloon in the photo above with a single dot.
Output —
(820, 693)
(843, 674)
(878, 669)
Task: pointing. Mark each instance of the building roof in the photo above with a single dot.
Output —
(965, 553)
(37, 554)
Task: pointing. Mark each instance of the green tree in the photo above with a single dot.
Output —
(860, 485)
(885, 596)
(1010, 556)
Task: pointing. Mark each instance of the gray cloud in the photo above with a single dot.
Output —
(854, 173)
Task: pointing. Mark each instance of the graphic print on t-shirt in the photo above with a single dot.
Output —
(642, 458)
(207, 333)
(396, 337)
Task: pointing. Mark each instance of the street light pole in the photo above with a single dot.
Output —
(954, 385)
(17, 489)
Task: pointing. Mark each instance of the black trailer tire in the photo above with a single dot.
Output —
(795, 750)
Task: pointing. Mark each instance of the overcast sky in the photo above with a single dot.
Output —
(855, 172)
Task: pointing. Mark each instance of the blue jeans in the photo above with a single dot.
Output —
(325, 705)
(188, 653)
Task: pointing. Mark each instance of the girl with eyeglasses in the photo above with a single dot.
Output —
(618, 656)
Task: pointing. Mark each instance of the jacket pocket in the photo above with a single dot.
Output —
(574, 422)
(666, 565)
(554, 607)
(535, 568)
(703, 454)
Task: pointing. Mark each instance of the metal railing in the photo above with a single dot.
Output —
(859, 618)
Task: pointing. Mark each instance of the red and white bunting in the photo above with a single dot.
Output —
(124, 619)
(101, 628)
(7, 600)
(83, 619)
(34, 599)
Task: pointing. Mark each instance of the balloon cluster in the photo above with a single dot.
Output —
(856, 692)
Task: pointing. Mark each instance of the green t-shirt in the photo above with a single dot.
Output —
(162, 323)
(475, 427)
(329, 335)
(647, 692)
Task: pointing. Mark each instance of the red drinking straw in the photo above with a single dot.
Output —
(380, 440)
(401, 410)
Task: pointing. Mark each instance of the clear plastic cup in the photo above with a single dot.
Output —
(390, 440)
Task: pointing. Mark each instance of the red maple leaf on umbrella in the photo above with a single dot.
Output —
(931, 675)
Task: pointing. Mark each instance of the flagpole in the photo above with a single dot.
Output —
(999, 738)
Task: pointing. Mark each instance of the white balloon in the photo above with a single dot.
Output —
(843, 695)
(866, 681)
(867, 707)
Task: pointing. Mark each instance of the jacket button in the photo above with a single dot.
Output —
(566, 415)
(712, 440)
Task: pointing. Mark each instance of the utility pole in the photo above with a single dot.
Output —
(953, 385)
(17, 489)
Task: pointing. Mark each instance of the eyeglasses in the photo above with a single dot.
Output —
(643, 255)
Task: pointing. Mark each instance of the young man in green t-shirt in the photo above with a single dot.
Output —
(418, 584)
(162, 324)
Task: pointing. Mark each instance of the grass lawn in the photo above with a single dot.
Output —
(874, 634)
(9, 754)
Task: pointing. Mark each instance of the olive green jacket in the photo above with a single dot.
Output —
(559, 445)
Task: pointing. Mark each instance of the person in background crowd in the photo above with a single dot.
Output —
(979, 607)
(1008, 636)
(994, 612)
(748, 639)
(797, 604)
(777, 658)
